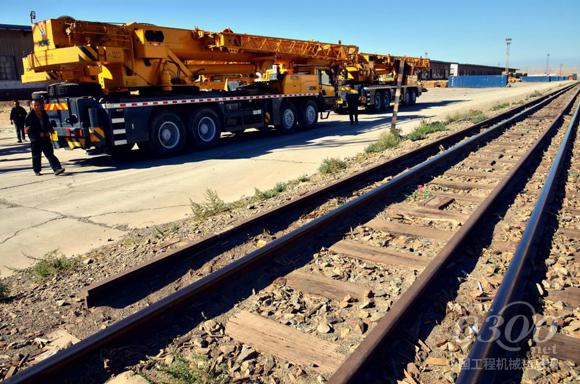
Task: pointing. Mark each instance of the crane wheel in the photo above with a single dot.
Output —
(166, 135)
(204, 128)
(407, 97)
(412, 97)
(288, 118)
(386, 101)
(378, 101)
(308, 115)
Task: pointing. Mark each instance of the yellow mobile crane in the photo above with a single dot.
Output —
(117, 85)
(375, 77)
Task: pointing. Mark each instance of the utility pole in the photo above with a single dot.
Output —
(548, 65)
(400, 75)
(508, 41)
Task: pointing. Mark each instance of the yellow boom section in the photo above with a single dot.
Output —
(131, 56)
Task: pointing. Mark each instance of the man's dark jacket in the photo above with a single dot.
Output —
(37, 131)
(18, 115)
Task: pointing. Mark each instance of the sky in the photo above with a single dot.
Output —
(468, 31)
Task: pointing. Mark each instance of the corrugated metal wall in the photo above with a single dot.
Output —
(14, 45)
(477, 81)
(543, 79)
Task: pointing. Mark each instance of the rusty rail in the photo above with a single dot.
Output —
(352, 370)
(513, 285)
(56, 366)
(125, 281)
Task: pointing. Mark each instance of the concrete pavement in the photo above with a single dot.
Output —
(102, 198)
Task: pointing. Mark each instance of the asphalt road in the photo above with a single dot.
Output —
(101, 198)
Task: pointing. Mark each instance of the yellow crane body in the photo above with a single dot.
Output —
(164, 89)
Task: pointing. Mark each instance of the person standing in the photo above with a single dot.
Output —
(39, 129)
(17, 117)
(352, 100)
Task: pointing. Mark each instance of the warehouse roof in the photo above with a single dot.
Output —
(473, 65)
(13, 27)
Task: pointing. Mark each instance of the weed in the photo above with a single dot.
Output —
(425, 129)
(421, 193)
(535, 94)
(160, 234)
(52, 264)
(386, 140)
(4, 291)
(474, 116)
(198, 371)
(497, 107)
(212, 205)
(269, 193)
(477, 117)
(303, 178)
(331, 165)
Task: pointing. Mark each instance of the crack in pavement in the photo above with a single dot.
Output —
(59, 215)
(26, 229)
(138, 210)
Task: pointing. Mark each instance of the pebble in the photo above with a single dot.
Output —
(324, 327)
(246, 353)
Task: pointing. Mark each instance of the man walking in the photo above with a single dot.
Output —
(352, 102)
(39, 129)
(17, 117)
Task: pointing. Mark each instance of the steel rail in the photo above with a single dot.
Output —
(513, 284)
(125, 281)
(52, 367)
(385, 331)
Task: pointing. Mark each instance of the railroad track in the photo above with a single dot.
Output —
(388, 234)
(540, 293)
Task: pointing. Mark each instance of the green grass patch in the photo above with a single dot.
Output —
(499, 106)
(331, 166)
(269, 193)
(474, 116)
(211, 206)
(386, 140)
(421, 193)
(477, 117)
(197, 371)
(425, 129)
(535, 94)
(4, 291)
(303, 179)
(52, 264)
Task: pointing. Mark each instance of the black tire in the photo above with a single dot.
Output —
(204, 129)
(406, 97)
(386, 100)
(166, 135)
(378, 101)
(288, 118)
(412, 97)
(74, 89)
(308, 115)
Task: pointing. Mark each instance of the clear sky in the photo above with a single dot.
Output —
(468, 31)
